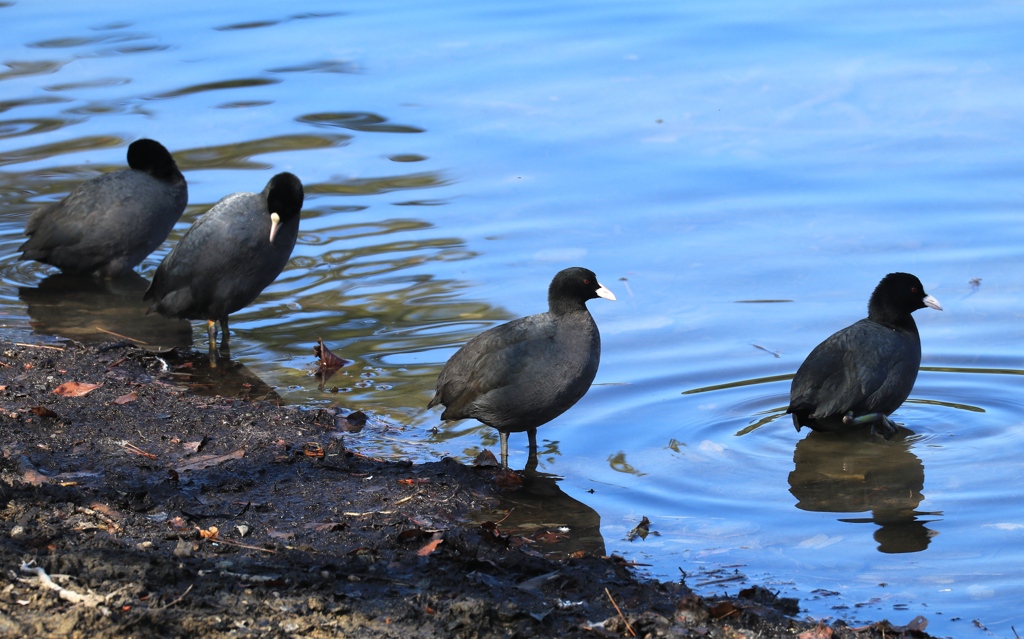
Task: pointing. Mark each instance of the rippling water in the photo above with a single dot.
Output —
(740, 174)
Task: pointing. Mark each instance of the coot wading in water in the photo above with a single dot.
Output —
(864, 372)
(107, 225)
(524, 373)
(229, 255)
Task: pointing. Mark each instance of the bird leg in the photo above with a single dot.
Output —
(224, 334)
(880, 424)
(532, 459)
(211, 331)
(504, 448)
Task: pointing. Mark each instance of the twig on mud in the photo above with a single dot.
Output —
(130, 339)
(238, 544)
(632, 632)
(98, 515)
(178, 600)
(132, 448)
(91, 600)
(723, 580)
(52, 348)
(405, 499)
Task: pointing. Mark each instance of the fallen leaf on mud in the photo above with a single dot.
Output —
(183, 549)
(916, 627)
(550, 537)
(211, 460)
(485, 459)
(508, 480)
(106, 510)
(691, 610)
(642, 530)
(351, 423)
(280, 534)
(723, 609)
(325, 526)
(430, 547)
(491, 532)
(179, 524)
(821, 632)
(34, 477)
(75, 389)
(124, 399)
(413, 482)
(413, 534)
(43, 411)
(210, 533)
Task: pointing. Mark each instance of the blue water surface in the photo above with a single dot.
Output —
(740, 174)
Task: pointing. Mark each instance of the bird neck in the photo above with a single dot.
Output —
(895, 320)
(563, 306)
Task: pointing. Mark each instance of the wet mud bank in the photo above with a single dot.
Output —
(131, 506)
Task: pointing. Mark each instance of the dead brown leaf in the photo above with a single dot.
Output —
(351, 423)
(329, 362)
(430, 547)
(206, 461)
(210, 533)
(34, 477)
(280, 534)
(723, 609)
(820, 632)
(325, 526)
(124, 399)
(43, 411)
(486, 459)
(75, 389)
(508, 480)
(549, 537)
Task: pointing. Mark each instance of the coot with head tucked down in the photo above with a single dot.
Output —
(109, 224)
(522, 374)
(864, 372)
(226, 259)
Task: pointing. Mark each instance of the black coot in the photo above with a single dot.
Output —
(226, 259)
(861, 374)
(522, 374)
(109, 224)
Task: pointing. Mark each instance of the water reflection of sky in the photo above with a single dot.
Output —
(693, 155)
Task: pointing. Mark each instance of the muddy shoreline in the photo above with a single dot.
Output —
(174, 514)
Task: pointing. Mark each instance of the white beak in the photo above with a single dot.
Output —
(605, 293)
(931, 302)
(275, 223)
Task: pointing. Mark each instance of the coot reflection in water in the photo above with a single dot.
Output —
(92, 310)
(542, 512)
(850, 474)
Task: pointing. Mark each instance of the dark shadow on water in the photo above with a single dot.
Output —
(219, 375)
(92, 310)
(541, 512)
(857, 473)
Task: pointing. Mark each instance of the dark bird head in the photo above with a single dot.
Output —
(571, 289)
(284, 200)
(149, 156)
(896, 297)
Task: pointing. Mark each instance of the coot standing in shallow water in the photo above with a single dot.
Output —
(864, 372)
(229, 255)
(108, 224)
(522, 374)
